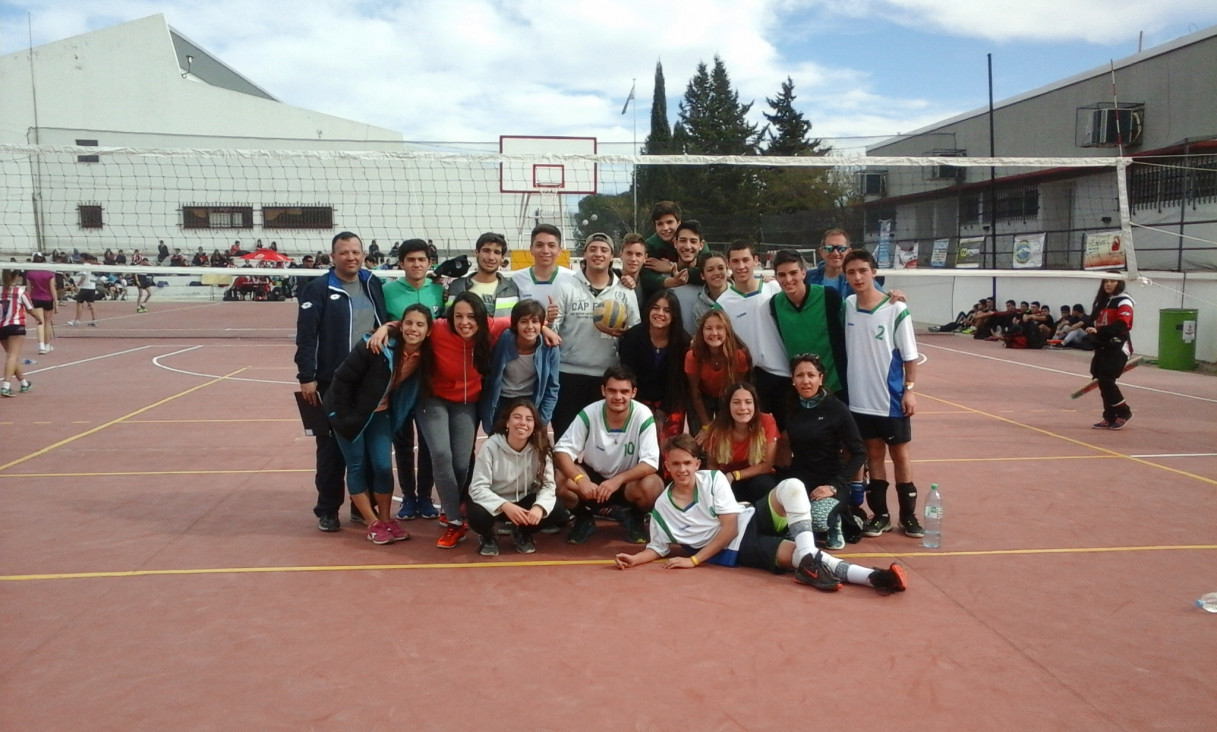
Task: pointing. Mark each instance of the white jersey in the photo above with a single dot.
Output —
(589, 441)
(755, 326)
(878, 342)
(532, 289)
(697, 524)
(586, 349)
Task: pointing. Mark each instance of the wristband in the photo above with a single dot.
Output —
(705, 427)
(578, 477)
(736, 474)
(694, 560)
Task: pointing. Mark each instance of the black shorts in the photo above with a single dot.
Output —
(892, 430)
(11, 330)
(43, 304)
(759, 546)
(89, 295)
(617, 499)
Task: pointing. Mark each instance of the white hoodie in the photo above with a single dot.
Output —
(501, 474)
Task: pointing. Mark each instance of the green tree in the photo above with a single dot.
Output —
(788, 128)
(657, 182)
(713, 122)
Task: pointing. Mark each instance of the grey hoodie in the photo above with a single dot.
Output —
(500, 474)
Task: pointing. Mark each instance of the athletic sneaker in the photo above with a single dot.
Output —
(92, 323)
(503, 528)
(378, 533)
(408, 510)
(357, 517)
(141, 309)
(452, 536)
(1116, 424)
(399, 534)
(912, 527)
(887, 581)
(329, 523)
(427, 509)
(43, 350)
(1104, 425)
(635, 528)
(73, 323)
(877, 525)
(6, 392)
(487, 546)
(524, 543)
(811, 571)
(836, 540)
(583, 529)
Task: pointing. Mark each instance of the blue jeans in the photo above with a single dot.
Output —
(369, 457)
(450, 429)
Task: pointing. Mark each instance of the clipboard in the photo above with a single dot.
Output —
(315, 422)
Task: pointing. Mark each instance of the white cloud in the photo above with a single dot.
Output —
(475, 69)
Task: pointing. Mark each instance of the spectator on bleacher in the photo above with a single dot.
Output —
(655, 351)
(499, 294)
(120, 258)
(108, 257)
(1041, 316)
(715, 359)
(274, 245)
(162, 252)
(990, 322)
(199, 259)
(137, 258)
(178, 259)
(373, 251)
(1075, 335)
(962, 321)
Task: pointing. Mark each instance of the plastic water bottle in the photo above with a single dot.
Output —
(1208, 603)
(29, 361)
(933, 521)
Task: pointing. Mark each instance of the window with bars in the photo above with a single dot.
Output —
(1023, 203)
(217, 217)
(1161, 184)
(298, 217)
(90, 216)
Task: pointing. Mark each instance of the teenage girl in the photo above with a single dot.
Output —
(1112, 320)
(717, 358)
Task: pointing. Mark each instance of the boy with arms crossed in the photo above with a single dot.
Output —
(882, 369)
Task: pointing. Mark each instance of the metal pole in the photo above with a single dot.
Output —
(634, 168)
(992, 171)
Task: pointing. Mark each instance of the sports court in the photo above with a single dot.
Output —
(160, 568)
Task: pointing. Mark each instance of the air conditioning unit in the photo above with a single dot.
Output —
(874, 184)
(1109, 126)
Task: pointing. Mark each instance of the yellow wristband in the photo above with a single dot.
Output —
(579, 477)
(736, 474)
(694, 560)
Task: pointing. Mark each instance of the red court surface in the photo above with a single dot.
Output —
(160, 568)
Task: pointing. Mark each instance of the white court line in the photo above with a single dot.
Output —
(86, 360)
(1178, 454)
(157, 362)
(1123, 384)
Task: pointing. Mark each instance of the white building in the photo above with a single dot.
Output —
(231, 162)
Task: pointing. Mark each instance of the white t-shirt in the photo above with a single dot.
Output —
(531, 289)
(697, 524)
(589, 441)
(878, 342)
(754, 324)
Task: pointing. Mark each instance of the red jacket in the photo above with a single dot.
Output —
(453, 375)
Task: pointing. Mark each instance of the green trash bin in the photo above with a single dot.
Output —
(1177, 338)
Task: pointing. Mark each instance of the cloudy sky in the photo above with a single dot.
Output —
(470, 70)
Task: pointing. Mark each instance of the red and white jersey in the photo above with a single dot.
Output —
(14, 305)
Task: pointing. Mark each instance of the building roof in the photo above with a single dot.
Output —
(203, 66)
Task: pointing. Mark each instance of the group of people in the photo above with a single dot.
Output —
(1105, 330)
(790, 389)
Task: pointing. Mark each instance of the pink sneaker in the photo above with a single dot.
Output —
(378, 533)
(394, 528)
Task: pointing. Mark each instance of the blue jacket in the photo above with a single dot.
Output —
(545, 396)
(359, 384)
(323, 324)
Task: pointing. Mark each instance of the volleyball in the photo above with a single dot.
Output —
(611, 314)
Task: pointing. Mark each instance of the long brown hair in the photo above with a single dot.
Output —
(538, 439)
(732, 345)
(718, 443)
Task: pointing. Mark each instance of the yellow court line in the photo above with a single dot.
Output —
(1015, 459)
(158, 472)
(104, 425)
(205, 421)
(561, 563)
(1099, 448)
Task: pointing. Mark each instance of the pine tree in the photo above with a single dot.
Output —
(811, 192)
(788, 128)
(657, 182)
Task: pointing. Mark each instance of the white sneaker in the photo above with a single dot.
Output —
(43, 350)
(72, 323)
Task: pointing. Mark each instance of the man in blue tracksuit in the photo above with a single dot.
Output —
(335, 311)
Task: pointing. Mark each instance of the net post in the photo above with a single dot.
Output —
(1130, 251)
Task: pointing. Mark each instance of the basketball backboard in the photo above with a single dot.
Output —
(543, 176)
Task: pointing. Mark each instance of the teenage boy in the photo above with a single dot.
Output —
(747, 301)
(689, 246)
(882, 371)
(414, 288)
(633, 259)
(610, 457)
(499, 293)
(808, 318)
(662, 271)
(588, 346)
(540, 281)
